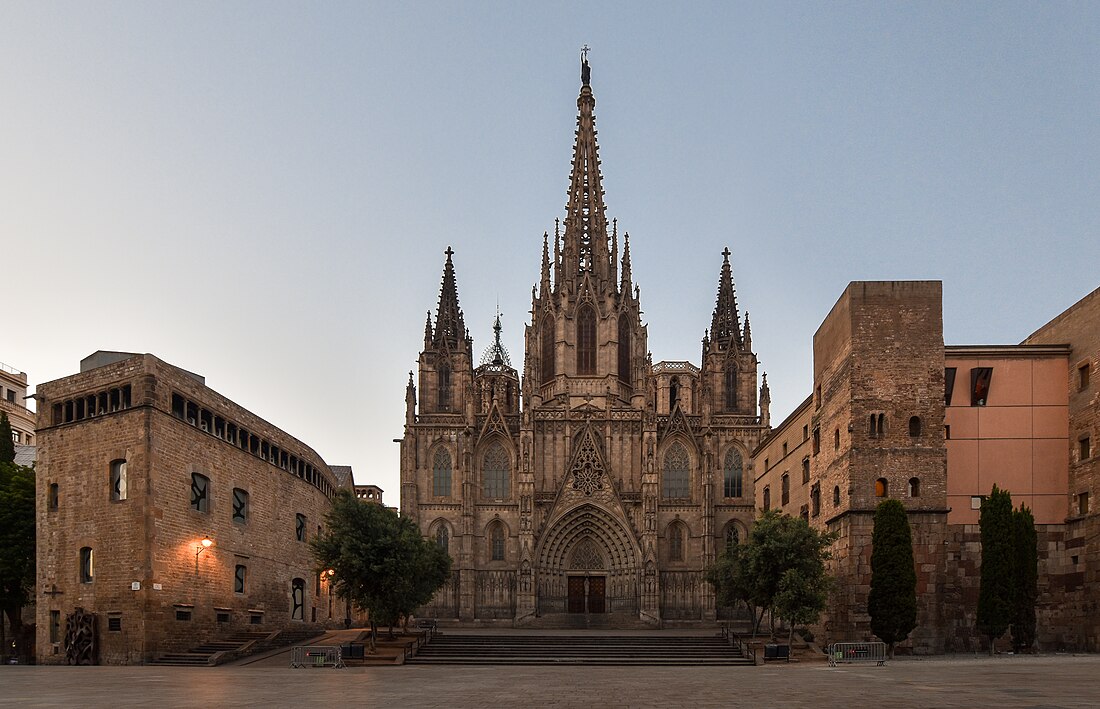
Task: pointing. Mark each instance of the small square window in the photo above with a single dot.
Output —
(114, 623)
(256, 619)
(221, 617)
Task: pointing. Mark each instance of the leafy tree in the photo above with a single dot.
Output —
(7, 443)
(780, 568)
(1026, 546)
(892, 603)
(997, 593)
(381, 562)
(16, 545)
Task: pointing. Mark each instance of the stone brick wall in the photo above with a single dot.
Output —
(150, 537)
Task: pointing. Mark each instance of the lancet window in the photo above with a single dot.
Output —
(495, 470)
(677, 473)
(586, 340)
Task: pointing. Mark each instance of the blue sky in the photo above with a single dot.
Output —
(262, 192)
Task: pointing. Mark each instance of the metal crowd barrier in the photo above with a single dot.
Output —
(316, 656)
(857, 652)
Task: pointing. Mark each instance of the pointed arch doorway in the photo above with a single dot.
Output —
(587, 578)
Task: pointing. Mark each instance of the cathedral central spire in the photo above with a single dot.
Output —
(586, 248)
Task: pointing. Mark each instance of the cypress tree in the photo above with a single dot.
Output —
(1027, 578)
(997, 595)
(893, 599)
(7, 445)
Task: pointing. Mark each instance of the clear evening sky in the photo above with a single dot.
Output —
(262, 192)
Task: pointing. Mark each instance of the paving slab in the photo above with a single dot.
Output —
(1049, 682)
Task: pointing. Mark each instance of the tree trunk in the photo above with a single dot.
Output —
(790, 634)
(891, 651)
(373, 636)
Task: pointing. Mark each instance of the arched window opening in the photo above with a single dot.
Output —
(496, 542)
(805, 470)
(441, 473)
(624, 349)
(547, 356)
(733, 474)
(767, 498)
(914, 426)
(87, 571)
(298, 599)
(675, 542)
(731, 388)
(836, 439)
(882, 487)
(836, 496)
(118, 480)
(444, 389)
(443, 537)
(586, 340)
(733, 536)
(495, 469)
(914, 487)
(786, 488)
(673, 393)
(677, 473)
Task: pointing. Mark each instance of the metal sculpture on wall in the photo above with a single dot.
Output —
(80, 638)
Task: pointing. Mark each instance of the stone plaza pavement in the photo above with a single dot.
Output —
(1004, 681)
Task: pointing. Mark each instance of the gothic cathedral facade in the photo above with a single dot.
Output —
(595, 490)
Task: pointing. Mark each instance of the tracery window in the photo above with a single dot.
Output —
(733, 474)
(443, 537)
(441, 473)
(675, 542)
(624, 348)
(496, 542)
(547, 349)
(586, 340)
(731, 388)
(495, 469)
(677, 473)
(733, 536)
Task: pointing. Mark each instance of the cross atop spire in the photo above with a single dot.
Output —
(586, 248)
(725, 327)
(450, 330)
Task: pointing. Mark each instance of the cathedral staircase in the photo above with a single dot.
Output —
(580, 649)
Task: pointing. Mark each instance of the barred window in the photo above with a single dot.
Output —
(240, 505)
(677, 473)
(200, 492)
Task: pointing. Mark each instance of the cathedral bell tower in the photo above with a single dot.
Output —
(729, 364)
(586, 339)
